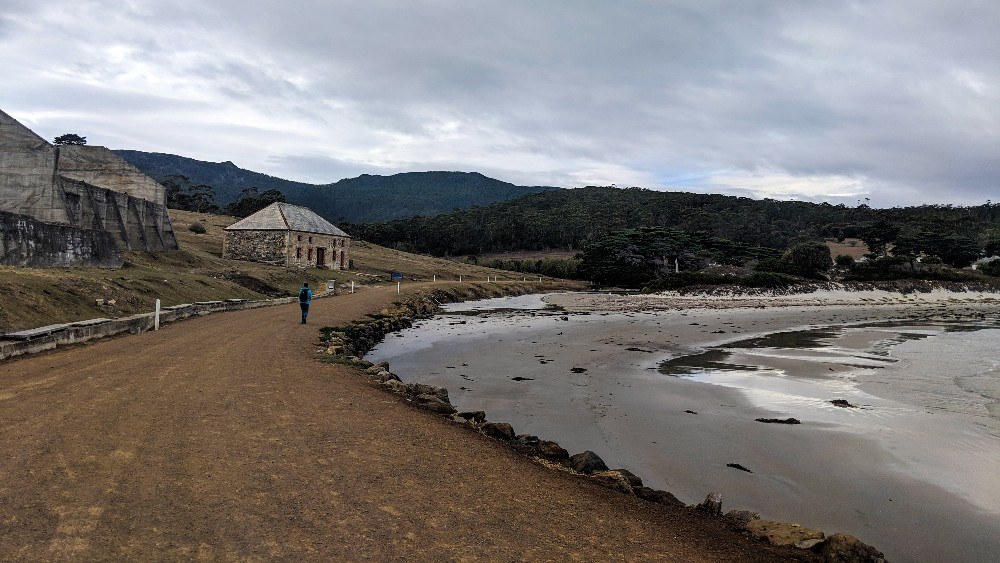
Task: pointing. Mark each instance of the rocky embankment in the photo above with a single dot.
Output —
(347, 344)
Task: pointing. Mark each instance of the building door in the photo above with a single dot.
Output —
(320, 257)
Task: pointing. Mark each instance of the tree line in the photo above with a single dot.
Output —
(570, 219)
(184, 194)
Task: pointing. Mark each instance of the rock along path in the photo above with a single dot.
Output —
(221, 438)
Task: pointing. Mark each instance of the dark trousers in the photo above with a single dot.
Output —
(305, 310)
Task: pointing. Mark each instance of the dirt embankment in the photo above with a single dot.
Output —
(218, 438)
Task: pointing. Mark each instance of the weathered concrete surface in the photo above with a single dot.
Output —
(135, 224)
(27, 242)
(27, 174)
(79, 193)
(100, 166)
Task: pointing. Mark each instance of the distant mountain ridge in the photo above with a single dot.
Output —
(365, 199)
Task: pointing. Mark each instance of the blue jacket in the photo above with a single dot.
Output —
(309, 295)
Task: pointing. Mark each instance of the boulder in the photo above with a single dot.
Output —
(628, 476)
(397, 387)
(587, 462)
(474, 416)
(657, 496)
(526, 444)
(527, 440)
(612, 480)
(712, 503)
(552, 450)
(842, 548)
(782, 533)
(498, 430)
(434, 403)
(742, 517)
(460, 420)
(421, 389)
(384, 375)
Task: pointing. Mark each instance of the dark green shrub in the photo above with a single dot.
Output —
(991, 268)
(844, 260)
(901, 268)
(687, 279)
(769, 280)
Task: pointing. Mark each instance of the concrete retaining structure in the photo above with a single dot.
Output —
(68, 202)
(83, 331)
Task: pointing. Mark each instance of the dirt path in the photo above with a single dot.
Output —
(220, 437)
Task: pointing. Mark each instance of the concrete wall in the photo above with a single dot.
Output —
(27, 242)
(27, 174)
(103, 168)
(136, 224)
(89, 195)
(268, 247)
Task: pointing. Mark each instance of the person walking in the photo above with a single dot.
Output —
(305, 297)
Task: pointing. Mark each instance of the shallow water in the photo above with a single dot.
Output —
(912, 470)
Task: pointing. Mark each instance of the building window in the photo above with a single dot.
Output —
(298, 253)
(300, 238)
(310, 240)
(310, 254)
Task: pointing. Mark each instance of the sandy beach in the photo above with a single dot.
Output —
(914, 479)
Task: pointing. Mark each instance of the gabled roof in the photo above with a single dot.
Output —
(287, 217)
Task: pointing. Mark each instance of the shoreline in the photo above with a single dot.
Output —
(602, 434)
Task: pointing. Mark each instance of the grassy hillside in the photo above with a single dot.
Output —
(359, 200)
(197, 272)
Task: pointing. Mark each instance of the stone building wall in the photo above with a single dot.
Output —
(304, 250)
(256, 246)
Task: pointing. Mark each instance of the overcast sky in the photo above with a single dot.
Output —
(898, 102)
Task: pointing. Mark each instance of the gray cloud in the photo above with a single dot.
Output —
(896, 100)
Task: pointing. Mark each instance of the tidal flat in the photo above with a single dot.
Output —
(674, 395)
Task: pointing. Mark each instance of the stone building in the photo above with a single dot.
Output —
(288, 235)
(74, 205)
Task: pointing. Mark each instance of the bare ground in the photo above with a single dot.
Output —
(220, 438)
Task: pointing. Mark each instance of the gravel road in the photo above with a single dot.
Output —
(221, 438)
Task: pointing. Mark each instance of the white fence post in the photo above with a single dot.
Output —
(156, 316)
(352, 286)
(397, 286)
(435, 277)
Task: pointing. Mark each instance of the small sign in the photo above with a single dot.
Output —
(395, 276)
(332, 284)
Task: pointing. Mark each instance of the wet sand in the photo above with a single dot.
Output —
(913, 483)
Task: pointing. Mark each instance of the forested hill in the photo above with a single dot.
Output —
(363, 199)
(567, 219)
